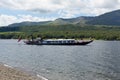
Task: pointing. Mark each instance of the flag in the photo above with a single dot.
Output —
(19, 39)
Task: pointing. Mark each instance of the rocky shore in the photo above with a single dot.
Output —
(9, 73)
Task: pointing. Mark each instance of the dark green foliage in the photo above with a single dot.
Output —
(11, 35)
(62, 31)
(7, 29)
(68, 28)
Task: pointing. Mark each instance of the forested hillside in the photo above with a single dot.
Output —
(62, 31)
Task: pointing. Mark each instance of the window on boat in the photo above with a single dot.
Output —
(68, 41)
(52, 42)
(56, 41)
(60, 41)
(48, 41)
(72, 41)
(64, 41)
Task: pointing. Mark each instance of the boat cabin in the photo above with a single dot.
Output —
(58, 41)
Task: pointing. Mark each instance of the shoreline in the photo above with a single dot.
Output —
(10, 73)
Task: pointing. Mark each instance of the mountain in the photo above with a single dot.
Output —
(60, 21)
(78, 20)
(110, 18)
(27, 23)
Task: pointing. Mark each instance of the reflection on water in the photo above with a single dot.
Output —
(96, 61)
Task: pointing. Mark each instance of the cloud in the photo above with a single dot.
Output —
(40, 10)
(102, 6)
(33, 5)
(54, 8)
(107, 4)
(5, 20)
(50, 6)
(33, 18)
(8, 19)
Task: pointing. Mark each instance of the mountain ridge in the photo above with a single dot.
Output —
(110, 18)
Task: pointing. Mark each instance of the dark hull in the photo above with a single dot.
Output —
(78, 43)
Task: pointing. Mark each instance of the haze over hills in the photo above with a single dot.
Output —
(110, 18)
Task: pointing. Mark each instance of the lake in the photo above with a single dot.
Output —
(99, 60)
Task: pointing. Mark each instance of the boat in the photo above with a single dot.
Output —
(40, 41)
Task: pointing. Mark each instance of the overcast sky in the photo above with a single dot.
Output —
(14, 11)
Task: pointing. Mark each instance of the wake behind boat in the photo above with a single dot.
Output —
(40, 41)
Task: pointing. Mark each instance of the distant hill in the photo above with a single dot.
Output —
(60, 21)
(27, 23)
(78, 20)
(110, 18)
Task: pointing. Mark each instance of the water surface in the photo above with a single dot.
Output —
(99, 60)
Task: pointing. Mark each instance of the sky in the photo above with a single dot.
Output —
(15, 11)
